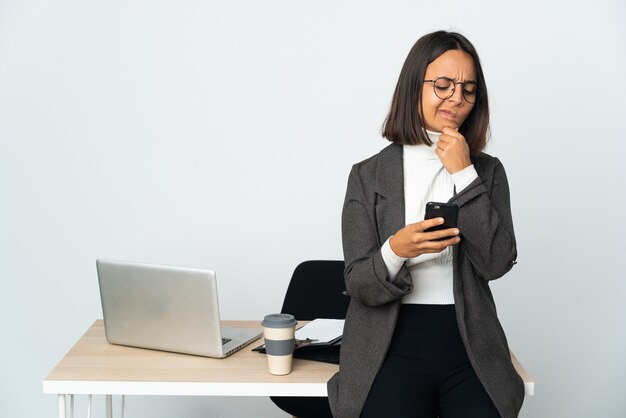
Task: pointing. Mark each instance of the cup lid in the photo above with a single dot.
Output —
(279, 320)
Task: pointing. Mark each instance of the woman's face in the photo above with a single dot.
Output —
(440, 113)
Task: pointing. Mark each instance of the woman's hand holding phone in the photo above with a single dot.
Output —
(412, 241)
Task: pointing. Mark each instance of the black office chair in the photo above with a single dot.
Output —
(316, 290)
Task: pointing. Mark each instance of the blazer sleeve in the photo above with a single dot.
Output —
(486, 224)
(366, 275)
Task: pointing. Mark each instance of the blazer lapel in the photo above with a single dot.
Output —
(389, 189)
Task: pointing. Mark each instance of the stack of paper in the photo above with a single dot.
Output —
(321, 331)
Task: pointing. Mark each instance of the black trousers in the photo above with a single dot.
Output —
(426, 373)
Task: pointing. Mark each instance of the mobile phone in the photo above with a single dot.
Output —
(448, 211)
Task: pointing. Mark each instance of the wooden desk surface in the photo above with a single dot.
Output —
(93, 366)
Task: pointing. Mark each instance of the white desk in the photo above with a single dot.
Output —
(93, 366)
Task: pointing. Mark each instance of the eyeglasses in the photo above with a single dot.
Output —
(444, 88)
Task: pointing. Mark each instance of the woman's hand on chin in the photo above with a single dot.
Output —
(452, 150)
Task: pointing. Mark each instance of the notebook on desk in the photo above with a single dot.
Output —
(166, 308)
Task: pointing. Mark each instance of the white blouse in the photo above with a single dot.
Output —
(427, 180)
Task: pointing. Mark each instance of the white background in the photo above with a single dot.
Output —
(220, 135)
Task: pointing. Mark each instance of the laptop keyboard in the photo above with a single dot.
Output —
(226, 340)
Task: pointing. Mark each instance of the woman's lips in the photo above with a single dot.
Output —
(447, 114)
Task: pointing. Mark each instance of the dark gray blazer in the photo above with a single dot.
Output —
(373, 211)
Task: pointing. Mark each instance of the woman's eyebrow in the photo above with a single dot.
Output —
(455, 79)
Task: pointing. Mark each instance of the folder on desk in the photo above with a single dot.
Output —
(319, 340)
(321, 332)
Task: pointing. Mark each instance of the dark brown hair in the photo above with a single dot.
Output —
(404, 124)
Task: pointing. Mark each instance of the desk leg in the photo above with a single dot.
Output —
(109, 403)
(61, 406)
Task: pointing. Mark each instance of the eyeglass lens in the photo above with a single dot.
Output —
(444, 89)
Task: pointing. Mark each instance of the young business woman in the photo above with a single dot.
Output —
(422, 338)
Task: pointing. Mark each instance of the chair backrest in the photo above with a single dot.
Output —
(317, 290)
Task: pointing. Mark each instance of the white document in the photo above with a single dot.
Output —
(321, 330)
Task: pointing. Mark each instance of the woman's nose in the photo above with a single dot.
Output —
(457, 96)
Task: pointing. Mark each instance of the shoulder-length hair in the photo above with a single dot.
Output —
(404, 124)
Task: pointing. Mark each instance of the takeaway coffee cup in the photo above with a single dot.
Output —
(278, 331)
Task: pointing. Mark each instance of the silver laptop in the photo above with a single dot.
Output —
(166, 308)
